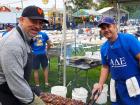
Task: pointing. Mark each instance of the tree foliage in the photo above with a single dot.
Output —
(103, 4)
(82, 4)
(121, 1)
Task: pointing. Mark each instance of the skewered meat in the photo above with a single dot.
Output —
(51, 99)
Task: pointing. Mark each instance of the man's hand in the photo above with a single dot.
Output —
(43, 97)
(37, 101)
(97, 89)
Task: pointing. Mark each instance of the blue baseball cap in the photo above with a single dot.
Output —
(106, 20)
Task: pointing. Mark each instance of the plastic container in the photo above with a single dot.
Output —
(88, 54)
(59, 90)
(102, 99)
(80, 94)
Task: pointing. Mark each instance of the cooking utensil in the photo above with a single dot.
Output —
(92, 99)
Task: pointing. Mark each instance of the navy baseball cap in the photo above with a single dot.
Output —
(34, 12)
(106, 20)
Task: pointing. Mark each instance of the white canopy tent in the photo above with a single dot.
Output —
(111, 11)
(8, 17)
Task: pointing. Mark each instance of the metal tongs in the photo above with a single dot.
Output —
(92, 99)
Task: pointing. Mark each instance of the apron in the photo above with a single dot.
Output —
(6, 96)
(122, 66)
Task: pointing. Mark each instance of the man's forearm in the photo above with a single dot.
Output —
(104, 75)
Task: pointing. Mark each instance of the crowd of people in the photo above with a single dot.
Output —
(24, 48)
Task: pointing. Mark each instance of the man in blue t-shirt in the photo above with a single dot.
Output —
(120, 58)
(39, 56)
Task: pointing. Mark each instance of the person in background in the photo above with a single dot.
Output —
(16, 59)
(121, 31)
(9, 27)
(88, 31)
(40, 56)
(120, 58)
(125, 31)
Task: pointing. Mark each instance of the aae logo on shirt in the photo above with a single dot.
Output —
(119, 62)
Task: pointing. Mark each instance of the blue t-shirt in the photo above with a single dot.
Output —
(39, 43)
(128, 42)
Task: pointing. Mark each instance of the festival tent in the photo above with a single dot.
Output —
(111, 11)
(85, 12)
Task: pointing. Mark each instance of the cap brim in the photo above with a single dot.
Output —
(38, 18)
(104, 23)
(46, 21)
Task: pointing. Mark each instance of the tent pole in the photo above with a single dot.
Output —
(118, 13)
(22, 4)
(64, 42)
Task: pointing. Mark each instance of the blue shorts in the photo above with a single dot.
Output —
(40, 60)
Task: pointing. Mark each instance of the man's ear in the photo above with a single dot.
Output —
(115, 25)
(21, 19)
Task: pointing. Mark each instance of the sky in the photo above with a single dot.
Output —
(17, 3)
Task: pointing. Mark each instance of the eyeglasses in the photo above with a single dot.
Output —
(37, 22)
